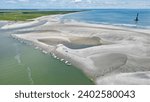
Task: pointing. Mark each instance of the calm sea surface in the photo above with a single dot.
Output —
(121, 17)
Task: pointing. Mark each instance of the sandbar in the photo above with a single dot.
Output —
(107, 54)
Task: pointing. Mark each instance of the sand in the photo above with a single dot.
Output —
(116, 55)
(136, 78)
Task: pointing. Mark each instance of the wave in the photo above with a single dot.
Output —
(106, 23)
(133, 26)
(121, 24)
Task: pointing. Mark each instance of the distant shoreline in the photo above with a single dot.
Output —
(25, 15)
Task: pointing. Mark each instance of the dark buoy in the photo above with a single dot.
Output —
(137, 17)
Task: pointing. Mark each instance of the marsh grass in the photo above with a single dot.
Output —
(19, 15)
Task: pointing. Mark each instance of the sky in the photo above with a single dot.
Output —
(72, 4)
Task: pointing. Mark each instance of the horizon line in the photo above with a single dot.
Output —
(64, 8)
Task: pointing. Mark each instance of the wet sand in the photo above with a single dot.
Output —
(73, 42)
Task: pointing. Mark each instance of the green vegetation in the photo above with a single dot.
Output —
(18, 15)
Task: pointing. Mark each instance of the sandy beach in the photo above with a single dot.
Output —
(106, 54)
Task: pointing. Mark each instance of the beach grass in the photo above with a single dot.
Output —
(18, 15)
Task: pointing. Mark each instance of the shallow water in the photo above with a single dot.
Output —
(78, 43)
(77, 46)
(21, 64)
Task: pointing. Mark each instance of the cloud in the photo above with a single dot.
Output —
(76, 3)
(11, 1)
(17, 1)
(23, 1)
(82, 1)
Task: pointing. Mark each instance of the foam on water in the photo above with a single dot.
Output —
(30, 75)
(17, 57)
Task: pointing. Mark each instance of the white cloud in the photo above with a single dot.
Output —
(23, 0)
(89, 1)
(11, 1)
(17, 1)
(79, 3)
(76, 1)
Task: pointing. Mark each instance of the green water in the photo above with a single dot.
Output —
(21, 64)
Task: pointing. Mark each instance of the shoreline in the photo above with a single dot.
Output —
(122, 49)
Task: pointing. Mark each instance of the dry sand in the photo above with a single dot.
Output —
(117, 55)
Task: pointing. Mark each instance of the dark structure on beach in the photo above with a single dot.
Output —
(137, 17)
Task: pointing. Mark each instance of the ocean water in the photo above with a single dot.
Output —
(21, 64)
(120, 17)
